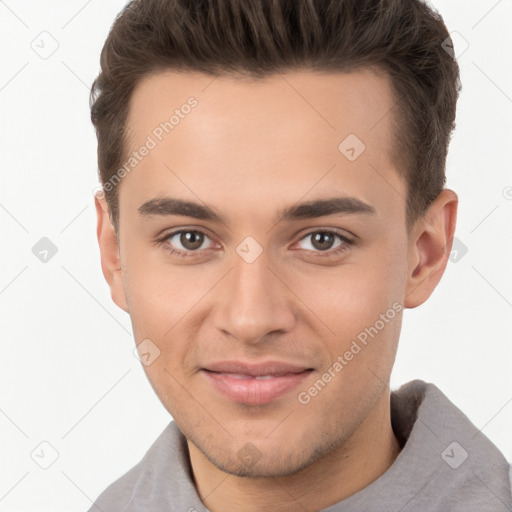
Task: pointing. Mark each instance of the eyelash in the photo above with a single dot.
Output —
(162, 241)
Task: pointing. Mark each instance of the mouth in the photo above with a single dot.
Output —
(254, 384)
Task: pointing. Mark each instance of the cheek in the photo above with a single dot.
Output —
(162, 300)
(351, 296)
(358, 308)
(159, 293)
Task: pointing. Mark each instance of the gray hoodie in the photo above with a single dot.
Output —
(446, 464)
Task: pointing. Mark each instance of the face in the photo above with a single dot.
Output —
(265, 256)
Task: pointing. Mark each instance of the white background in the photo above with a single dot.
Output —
(67, 372)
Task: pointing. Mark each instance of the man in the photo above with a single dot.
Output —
(273, 177)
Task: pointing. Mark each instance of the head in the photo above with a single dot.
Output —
(273, 177)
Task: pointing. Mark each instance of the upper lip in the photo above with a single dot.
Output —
(255, 369)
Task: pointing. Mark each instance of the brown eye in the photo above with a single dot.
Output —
(187, 240)
(322, 241)
(191, 240)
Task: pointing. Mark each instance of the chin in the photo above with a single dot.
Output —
(272, 462)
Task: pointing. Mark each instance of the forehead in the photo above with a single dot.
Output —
(333, 103)
(276, 138)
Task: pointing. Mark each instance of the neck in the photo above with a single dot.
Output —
(366, 455)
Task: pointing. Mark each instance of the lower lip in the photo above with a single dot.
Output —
(255, 391)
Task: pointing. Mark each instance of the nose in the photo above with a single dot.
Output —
(253, 302)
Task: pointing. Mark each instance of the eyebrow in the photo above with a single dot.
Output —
(163, 206)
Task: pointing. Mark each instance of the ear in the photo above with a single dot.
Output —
(430, 243)
(110, 253)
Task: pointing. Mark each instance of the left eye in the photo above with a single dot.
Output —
(189, 240)
(323, 241)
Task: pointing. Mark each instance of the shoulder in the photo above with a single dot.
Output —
(142, 484)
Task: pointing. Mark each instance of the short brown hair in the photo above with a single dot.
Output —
(258, 38)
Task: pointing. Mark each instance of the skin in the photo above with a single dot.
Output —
(248, 150)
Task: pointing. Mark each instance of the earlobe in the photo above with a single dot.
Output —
(110, 254)
(429, 248)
